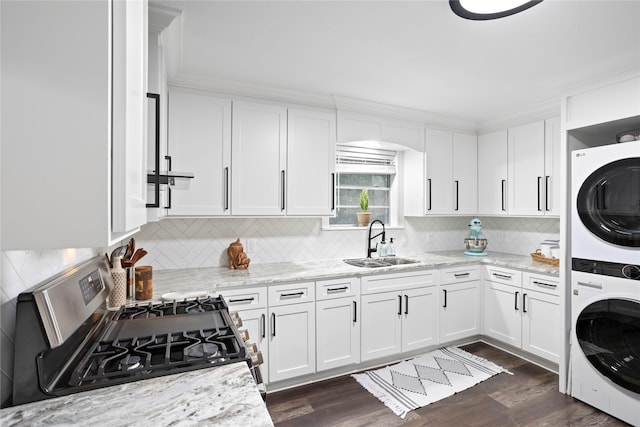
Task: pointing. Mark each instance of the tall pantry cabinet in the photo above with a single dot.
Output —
(74, 123)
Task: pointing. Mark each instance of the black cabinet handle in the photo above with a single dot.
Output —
(263, 319)
(502, 276)
(168, 159)
(548, 285)
(539, 188)
(355, 312)
(333, 191)
(457, 192)
(340, 289)
(242, 299)
(293, 294)
(399, 305)
(168, 198)
(273, 324)
(546, 193)
(406, 304)
(156, 172)
(283, 189)
(516, 301)
(226, 188)
(445, 298)
(524, 303)
(457, 275)
(429, 187)
(504, 203)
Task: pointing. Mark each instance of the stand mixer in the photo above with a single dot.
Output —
(475, 244)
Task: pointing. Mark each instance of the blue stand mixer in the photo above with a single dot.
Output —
(475, 244)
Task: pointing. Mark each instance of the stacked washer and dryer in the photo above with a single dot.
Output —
(605, 279)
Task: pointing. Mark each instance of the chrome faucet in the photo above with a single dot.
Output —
(369, 249)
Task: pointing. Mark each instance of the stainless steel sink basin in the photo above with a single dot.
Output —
(379, 262)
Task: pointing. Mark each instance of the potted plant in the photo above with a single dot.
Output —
(364, 217)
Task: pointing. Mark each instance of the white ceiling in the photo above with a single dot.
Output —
(413, 54)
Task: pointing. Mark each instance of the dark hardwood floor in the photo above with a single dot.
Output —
(529, 397)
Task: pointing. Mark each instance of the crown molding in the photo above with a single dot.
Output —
(541, 111)
(160, 17)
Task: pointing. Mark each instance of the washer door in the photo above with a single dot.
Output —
(608, 202)
(608, 332)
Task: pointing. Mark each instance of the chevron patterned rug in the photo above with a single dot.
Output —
(425, 379)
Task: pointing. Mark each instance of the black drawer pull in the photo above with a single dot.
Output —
(340, 289)
(294, 294)
(456, 275)
(503, 276)
(242, 299)
(548, 285)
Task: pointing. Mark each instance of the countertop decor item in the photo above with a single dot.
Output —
(537, 256)
(118, 295)
(425, 379)
(364, 217)
(238, 259)
(475, 245)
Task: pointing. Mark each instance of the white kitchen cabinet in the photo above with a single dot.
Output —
(292, 338)
(73, 132)
(251, 306)
(200, 143)
(460, 303)
(523, 311)
(526, 176)
(492, 173)
(355, 126)
(337, 323)
(258, 156)
(443, 180)
(311, 162)
(541, 332)
(399, 313)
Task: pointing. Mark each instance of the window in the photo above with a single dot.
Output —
(359, 168)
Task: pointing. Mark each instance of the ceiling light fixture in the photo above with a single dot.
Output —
(481, 10)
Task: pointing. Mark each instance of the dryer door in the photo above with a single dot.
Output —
(608, 202)
(608, 332)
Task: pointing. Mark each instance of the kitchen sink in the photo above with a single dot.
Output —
(379, 262)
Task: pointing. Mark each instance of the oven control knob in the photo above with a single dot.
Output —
(256, 358)
(236, 318)
(631, 272)
(244, 334)
(251, 347)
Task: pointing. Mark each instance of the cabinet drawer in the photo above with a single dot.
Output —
(338, 288)
(464, 273)
(504, 275)
(392, 282)
(292, 293)
(245, 299)
(541, 283)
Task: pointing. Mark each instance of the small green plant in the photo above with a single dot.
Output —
(364, 200)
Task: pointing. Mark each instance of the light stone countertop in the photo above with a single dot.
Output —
(224, 396)
(212, 279)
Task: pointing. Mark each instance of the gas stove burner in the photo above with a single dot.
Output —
(206, 350)
(130, 363)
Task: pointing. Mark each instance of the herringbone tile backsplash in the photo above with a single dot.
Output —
(193, 243)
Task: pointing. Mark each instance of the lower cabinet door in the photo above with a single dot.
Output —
(292, 341)
(255, 321)
(419, 318)
(502, 309)
(540, 325)
(381, 325)
(337, 333)
(460, 310)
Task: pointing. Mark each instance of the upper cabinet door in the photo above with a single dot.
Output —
(465, 174)
(200, 142)
(552, 166)
(526, 169)
(129, 180)
(492, 173)
(439, 172)
(258, 156)
(311, 162)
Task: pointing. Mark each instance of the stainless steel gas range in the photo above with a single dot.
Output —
(68, 342)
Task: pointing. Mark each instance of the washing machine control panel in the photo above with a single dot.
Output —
(613, 269)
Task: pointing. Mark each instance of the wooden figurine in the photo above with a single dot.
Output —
(238, 259)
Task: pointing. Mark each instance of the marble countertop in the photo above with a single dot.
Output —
(212, 279)
(222, 396)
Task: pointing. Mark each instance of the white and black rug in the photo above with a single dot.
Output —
(425, 379)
